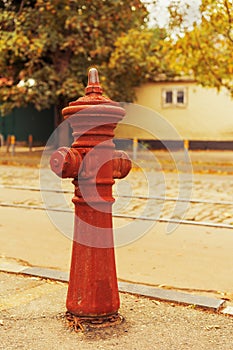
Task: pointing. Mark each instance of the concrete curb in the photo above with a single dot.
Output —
(199, 301)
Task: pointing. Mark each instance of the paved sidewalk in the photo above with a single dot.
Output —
(32, 318)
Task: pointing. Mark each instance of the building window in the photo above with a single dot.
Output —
(180, 97)
(169, 97)
(174, 97)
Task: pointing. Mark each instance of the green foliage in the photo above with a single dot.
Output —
(47, 46)
(139, 56)
(205, 49)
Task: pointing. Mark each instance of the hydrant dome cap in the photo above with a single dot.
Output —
(93, 82)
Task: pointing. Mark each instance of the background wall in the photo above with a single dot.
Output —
(24, 121)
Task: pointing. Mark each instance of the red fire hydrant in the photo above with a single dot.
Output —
(93, 162)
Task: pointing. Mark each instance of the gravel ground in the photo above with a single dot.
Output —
(39, 323)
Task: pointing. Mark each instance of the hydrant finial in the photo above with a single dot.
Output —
(93, 82)
(93, 76)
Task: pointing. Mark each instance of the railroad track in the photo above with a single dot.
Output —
(169, 199)
(132, 215)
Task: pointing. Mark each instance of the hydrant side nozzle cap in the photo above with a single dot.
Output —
(93, 82)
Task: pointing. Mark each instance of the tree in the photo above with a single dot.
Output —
(131, 65)
(204, 48)
(46, 46)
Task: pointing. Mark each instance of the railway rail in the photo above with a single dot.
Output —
(133, 217)
(171, 199)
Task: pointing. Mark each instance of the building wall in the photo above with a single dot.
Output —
(208, 114)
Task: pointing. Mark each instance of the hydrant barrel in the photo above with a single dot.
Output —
(93, 163)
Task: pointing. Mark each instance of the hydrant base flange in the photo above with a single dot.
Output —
(83, 324)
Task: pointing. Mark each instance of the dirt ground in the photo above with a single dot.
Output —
(220, 162)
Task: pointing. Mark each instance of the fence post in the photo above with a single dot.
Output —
(30, 142)
(1, 140)
(12, 145)
(135, 148)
